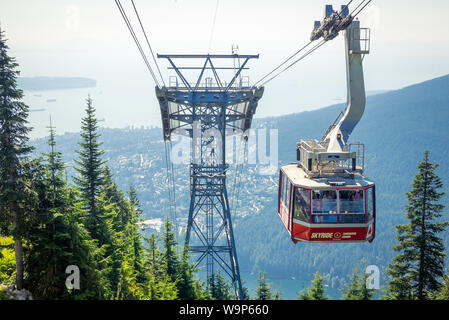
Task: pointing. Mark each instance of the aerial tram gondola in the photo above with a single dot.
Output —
(324, 196)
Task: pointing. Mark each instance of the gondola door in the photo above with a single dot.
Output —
(284, 203)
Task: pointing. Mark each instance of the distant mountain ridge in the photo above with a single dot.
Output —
(54, 83)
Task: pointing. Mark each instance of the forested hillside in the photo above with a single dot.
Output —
(397, 128)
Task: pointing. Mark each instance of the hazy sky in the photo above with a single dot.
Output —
(88, 38)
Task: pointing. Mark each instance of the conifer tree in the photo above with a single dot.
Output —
(90, 178)
(153, 257)
(419, 266)
(84, 252)
(316, 291)
(278, 294)
(188, 287)
(135, 235)
(357, 289)
(122, 206)
(218, 288)
(127, 288)
(45, 260)
(132, 195)
(245, 290)
(14, 152)
(263, 291)
(159, 285)
(105, 205)
(55, 167)
(443, 294)
(170, 255)
(54, 239)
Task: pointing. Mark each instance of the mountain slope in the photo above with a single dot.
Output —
(396, 128)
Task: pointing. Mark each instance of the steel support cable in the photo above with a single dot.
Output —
(296, 61)
(148, 42)
(173, 185)
(236, 205)
(245, 155)
(213, 26)
(288, 59)
(136, 40)
(235, 176)
(347, 5)
(168, 181)
(362, 8)
(317, 46)
(358, 6)
(237, 168)
(296, 53)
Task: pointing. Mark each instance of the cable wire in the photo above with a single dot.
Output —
(170, 184)
(236, 174)
(173, 185)
(148, 42)
(213, 27)
(322, 42)
(237, 197)
(136, 40)
(296, 53)
(357, 7)
(289, 58)
(362, 8)
(347, 5)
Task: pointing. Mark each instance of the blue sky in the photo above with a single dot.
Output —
(88, 38)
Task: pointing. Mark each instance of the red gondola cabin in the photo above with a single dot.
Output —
(326, 209)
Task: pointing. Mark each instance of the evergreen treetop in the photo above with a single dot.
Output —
(90, 178)
(316, 291)
(419, 265)
(14, 153)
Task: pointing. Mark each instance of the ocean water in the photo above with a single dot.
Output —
(118, 104)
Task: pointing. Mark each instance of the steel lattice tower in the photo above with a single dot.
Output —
(207, 112)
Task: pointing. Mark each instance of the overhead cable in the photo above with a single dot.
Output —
(213, 27)
(148, 42)
(322, 42)
(136, 40)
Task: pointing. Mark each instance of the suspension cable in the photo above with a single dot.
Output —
(362, 8)
(148, 42)
(136, 40)
(288, 59)
(358, 6)
(296, 53)
(172, 175)
(169, 189)
(347, 5)
(236, 174)
(213, 26)
(322, 42)
(236, 199)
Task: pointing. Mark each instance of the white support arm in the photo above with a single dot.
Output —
(339, 134)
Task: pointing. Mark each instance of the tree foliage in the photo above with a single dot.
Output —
(263, 291)
(15, 167)
(357, 288)
(316, 291)
(419, 266)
